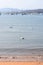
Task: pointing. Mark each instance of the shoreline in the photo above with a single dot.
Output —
(21, 52)
(33, 55)
(33, 58)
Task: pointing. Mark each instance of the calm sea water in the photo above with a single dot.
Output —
(30, 27)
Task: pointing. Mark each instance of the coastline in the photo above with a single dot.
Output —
(33, 58)
(21, 55)
(21, 60)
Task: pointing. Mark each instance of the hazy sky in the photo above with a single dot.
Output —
(21, 4)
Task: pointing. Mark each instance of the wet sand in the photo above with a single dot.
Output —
(37, 58)
(34, 57)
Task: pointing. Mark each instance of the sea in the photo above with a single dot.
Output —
(21, 34)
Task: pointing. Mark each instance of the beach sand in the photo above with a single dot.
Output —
(31, 58)
(21, 63)
(21, 60)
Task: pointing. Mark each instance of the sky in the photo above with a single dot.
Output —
(22, 4)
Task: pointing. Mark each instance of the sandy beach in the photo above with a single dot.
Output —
(37, 58)
(21, 63)
(21, 60)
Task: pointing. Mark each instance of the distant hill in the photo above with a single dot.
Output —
(9, 10)
(13, 11)
(34, 11)
(18, 10)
